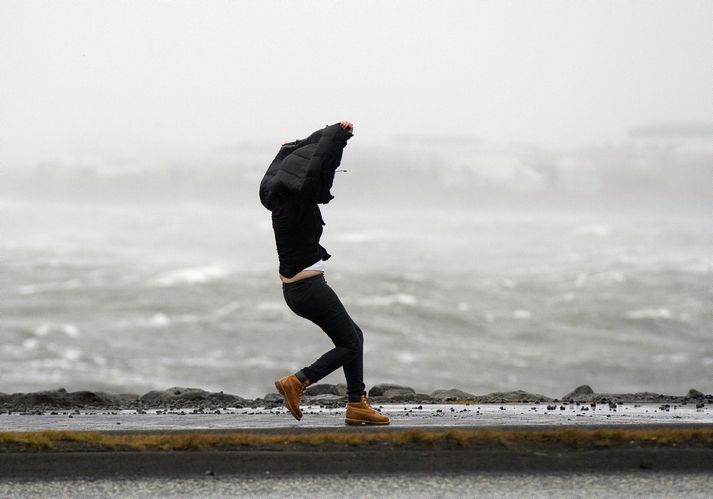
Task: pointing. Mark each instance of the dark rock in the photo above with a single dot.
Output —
(511, 397)
(620, 398)
(327, 389)
(173, 394)
(120, 399)
(388, 390)
(635, 397)
(273, 397)
(324, 394)
(327, 399)
(184, 397)
(424, 398)
(579, 393)
(62, 399)
(584, 394)
(452, 394)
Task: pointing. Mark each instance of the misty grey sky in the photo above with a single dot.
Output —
(168, 79)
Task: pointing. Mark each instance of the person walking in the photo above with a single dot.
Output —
(298, 179)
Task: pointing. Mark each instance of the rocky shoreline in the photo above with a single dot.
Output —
(326, 395)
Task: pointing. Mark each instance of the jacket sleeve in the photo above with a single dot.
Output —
(325, 161)
(287, 172)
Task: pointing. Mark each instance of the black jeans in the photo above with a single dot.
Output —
(313, 299)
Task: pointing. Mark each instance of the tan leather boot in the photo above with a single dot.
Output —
(362, 412)
(291, 389)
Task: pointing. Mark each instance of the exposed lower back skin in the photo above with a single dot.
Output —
(300, 275)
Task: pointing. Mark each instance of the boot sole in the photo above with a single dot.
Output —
(359, 422)
(278, 385)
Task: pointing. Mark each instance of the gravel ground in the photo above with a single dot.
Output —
(625, 484)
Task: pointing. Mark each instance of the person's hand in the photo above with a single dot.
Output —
(347, 125)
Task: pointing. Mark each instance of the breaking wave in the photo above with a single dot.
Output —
(190, 275)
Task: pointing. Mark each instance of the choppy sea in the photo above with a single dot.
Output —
(134, 298)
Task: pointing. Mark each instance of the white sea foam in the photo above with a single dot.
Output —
(190, 275)
(405, 357)
(30, 289)
(650, 313)
(156, 320)
(600, 230)
(387, 300)
(67, 329)
(226, 309)
(99, 360)
(515, 362)
(260, 361)
(206, 361)
(598, 278)
(270, 306)
(522, 314)
(684, 317)
(566, 297)
(72, 354)
(43, 329)
(615, 276)
(11, 351)
(70, 330)
(671, 358)
(509, 283)
(29, 344)
(159, 320)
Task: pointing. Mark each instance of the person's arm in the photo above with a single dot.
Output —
(333, 154)
(326, 160)
(348, 126)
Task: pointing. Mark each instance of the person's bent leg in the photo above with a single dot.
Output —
(317, 302)
(338, 325)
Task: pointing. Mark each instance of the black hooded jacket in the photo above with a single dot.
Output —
(300, 177)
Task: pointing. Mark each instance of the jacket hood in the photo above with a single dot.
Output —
(305, 167)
